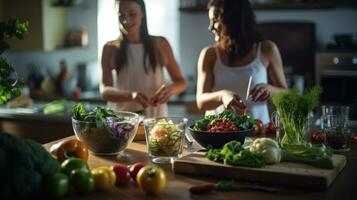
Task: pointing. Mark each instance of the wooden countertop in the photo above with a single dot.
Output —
(178, 185)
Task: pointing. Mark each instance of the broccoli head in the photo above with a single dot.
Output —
(23, 164)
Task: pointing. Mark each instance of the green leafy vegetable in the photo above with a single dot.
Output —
(97, 114)
(244, 122)
(55, 107)
(269, 150)
(294, 110)
(24, 164)
(233, 153)
(315, 155)
(10, 82)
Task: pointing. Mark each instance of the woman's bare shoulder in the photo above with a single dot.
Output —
(208, 56)
(209, 53)
(113, 44)
(268, 47)
(161, 42)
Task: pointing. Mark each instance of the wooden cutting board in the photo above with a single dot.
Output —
(285, 173)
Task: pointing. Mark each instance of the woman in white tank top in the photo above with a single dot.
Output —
(132, 66)
(239, 52)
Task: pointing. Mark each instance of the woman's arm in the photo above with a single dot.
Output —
(275, 71)
(107, 91)
(206, 99)
(178, 85)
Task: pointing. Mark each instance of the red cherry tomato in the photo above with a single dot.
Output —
(134, 169)
(354, 138)
(318, 137)
(259, 127)
(270, 129)
(122, 172)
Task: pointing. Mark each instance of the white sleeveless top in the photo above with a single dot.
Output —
(235, 78)
(134, 78)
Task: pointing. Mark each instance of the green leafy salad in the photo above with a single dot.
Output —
(102, 127)
(225, 121)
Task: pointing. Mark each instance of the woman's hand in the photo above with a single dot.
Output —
(233, 102)
(140, 98)
(162, 95)
(260, 92)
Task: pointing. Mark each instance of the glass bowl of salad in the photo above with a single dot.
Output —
(104, 131)
(164, 138)
(214, 131)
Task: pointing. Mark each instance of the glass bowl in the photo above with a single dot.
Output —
(164, 138)
(109, 137)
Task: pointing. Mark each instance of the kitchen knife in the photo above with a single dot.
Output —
(248, 89)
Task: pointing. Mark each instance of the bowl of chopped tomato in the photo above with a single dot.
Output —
(214, 131)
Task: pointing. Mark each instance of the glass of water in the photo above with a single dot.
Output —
(335, 124)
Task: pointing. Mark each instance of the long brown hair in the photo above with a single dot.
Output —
(239, 27)
(149, 47)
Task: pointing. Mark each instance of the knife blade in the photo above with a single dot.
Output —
(248, 89)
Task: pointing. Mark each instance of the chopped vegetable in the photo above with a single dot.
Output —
(233, 153)
(165, 139)
(244, 122)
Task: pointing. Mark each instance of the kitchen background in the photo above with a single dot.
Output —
(83, 27)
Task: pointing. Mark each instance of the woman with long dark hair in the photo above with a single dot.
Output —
(138, 59)
(224, 69)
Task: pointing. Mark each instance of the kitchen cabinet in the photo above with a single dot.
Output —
(47, 23)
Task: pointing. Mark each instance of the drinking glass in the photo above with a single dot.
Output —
(335, 122)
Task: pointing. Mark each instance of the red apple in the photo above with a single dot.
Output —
(134, 169)
(122, 172)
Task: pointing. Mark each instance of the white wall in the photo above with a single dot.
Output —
(82, 16)
(194, 34)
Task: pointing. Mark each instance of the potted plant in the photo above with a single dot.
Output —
(10, 82)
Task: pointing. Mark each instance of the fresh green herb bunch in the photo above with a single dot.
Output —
(10, 86)
(294, 110)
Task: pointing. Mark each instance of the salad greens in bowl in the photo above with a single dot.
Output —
(214, 131)
(104, 131)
